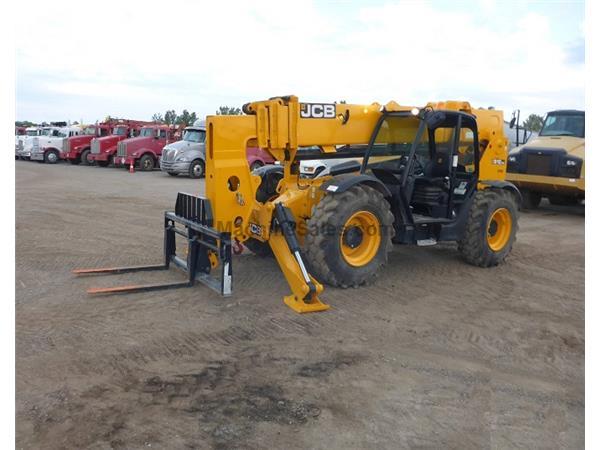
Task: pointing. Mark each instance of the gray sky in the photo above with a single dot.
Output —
(83, 61)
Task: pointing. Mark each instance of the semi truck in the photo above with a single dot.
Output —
(24, 145)
(188, 156)
(76, 149)
(552, 165)
(48, 148)
(103, 150)
(145, 150)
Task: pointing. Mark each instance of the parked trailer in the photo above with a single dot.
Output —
(103, 150)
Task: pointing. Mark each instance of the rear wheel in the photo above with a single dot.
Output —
(51, 157)
(531, 200)
(349, 237)
(85, 158)
(146, 163)
(197, 169)
(491, 228)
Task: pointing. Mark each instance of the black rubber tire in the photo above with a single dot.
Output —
(531, 200)
(103, 163)
(473, 245)
(260, 249)
(321, 247)
(51, 157)
(197, 174)
(84, 158)
(173, 174)
(146, 163)
(563, 200)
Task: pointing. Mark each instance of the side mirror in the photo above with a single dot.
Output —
(511, 125)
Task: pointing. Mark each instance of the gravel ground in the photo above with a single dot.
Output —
(436, 354)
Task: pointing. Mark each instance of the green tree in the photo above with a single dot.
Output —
(170, 117)
(158, 117)
(533, 123)
(228, 111)
(186, 118)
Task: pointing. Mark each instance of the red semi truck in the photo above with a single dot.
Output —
(103, 150)
(76, 149)
(144, 150)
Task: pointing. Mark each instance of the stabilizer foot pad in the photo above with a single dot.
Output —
(300, 306)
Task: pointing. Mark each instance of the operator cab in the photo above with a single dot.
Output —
(429, 161)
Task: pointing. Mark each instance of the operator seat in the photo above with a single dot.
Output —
(432, 188)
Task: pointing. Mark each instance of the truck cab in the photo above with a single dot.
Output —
(76, 148)
(552, 164)
(187, 156)
(145, 149)
(48, 148)
(26, 143)
(103, 150)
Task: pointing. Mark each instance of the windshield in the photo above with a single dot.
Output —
(90, 131)
(120, 131)
(32, 132)
(45, 132)
(63, 134)
(147, 132)
(564, 125)
(194, 135)
(393, 142)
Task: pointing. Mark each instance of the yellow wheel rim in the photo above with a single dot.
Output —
(360, 238)
(499, 229)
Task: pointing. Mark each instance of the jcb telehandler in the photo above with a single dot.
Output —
(427, 175)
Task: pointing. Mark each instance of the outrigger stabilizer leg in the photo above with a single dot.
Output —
(207, 248)
(285, 246)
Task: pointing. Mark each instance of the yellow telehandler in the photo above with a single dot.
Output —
(415, 176)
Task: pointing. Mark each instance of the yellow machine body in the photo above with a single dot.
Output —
(278, 126)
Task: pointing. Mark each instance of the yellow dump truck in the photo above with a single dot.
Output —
(552, 165)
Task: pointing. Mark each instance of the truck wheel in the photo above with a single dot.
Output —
(491, 228)
(75, 161)
(146, 163)
(563, 200)
(85, 158)
(531, 200)
(259, 248)
(197, 168)
(255, 165)
(51, 157)
(173, 174)
(348, 237)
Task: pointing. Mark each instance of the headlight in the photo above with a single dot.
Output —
(512, 158)
(570, 162)
(308, 169)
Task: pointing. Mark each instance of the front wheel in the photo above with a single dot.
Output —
(146, 163)
(85, 158)
(491, 228)
(197, 169)
(348, 237)
(51, 157)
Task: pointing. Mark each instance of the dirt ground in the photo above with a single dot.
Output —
(436, 354)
